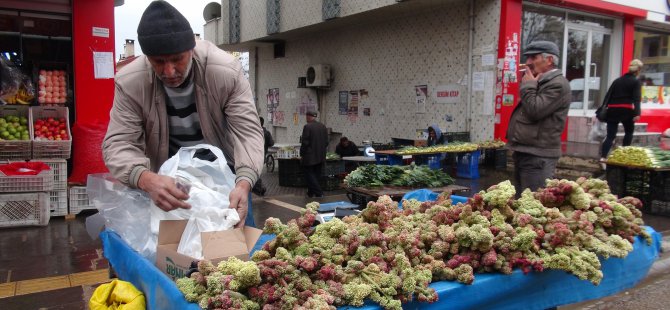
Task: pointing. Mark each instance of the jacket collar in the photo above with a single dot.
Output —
(550, 75)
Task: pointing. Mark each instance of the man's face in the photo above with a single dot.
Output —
(538, 63)
(172, 69)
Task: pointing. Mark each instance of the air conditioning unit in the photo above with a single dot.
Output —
(318, 76)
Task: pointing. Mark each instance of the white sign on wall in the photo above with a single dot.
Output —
(450, 93)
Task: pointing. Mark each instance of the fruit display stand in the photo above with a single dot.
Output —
(16, 149)
(45, 148)
(535, 290)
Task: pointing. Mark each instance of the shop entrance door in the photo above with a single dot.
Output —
(587, 53)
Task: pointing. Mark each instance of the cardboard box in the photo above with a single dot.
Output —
(216, 246)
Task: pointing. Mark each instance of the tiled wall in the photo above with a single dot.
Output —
(387, 59)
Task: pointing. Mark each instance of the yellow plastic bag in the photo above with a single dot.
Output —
(119, 295)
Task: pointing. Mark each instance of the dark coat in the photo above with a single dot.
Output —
(538, 120)
(351, 150)
(624, 90)
(313, 144)
(268, 140)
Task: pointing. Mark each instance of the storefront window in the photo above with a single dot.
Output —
(587, 59)
(652, 48)
(542, 24)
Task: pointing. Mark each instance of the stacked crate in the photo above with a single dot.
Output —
(24, 199)
(79, 200)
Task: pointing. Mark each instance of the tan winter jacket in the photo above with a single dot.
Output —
(538, 120)
(137, 136)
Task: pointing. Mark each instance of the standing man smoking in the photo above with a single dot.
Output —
(536, 125)
(180, 93)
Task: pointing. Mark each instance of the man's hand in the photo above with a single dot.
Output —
(239, 200)
(163, 191)
(528, 76)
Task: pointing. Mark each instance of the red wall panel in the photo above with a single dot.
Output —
(93, 97)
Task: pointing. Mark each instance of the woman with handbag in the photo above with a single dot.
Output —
(621, 105)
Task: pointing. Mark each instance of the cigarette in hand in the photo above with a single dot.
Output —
(522, 67)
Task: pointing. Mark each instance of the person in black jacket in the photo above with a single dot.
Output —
(346, 148)
(260, 189)
(623, 106)
(313, 145)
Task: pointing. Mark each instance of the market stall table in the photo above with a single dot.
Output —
(353, 162)
(361, 195)
(536, 290)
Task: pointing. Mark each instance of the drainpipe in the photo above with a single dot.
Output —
(471, 35)
(258, 107)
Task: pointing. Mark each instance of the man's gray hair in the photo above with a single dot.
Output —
(553, 57)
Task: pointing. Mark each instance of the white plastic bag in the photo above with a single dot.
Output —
(210, 187)
(598, 131)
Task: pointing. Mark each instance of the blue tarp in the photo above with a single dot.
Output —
(536, 290)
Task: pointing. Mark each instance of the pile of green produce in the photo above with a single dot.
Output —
(410, 176)
(640, 156)
(454, 147)
(332, 156)
(492, 144)
(14, 128)
(391, 256)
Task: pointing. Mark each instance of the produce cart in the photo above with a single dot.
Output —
(535, 290)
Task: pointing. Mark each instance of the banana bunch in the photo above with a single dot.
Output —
(633, 156)
(22, 96)
(492, 144)
(455, 147)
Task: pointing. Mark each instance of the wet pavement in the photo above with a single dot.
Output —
(63, 250)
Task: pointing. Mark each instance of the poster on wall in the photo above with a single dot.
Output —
(420, 99)
(450, 93)
(353, 103)
(344, 102)
(295, 118)
(364, 100)
(272, 103)
(307, 102)
(278, 118)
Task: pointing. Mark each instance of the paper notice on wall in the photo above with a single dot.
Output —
(489, 80)
(103, 65)
(488, 60)
(477, 81)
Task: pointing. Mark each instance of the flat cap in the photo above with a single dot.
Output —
(311, 113)
(539, 47)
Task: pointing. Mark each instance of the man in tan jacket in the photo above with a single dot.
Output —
(180, 94)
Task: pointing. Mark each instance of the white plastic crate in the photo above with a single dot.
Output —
(16, 149)
(59, 169)
(79, 200)
(42, 182)
(51, 148)
(58, 203)
(25, 209)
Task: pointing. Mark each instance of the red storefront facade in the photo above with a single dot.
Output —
(596, 32)
(64, 35)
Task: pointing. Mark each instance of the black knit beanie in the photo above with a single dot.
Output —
(164, 31)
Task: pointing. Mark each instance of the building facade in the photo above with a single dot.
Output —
(397, 67)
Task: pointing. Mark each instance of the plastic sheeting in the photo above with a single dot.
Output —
(535, 290)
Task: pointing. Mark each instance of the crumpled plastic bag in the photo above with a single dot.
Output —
(598, 131)
(209, 184)
(122, 209)
(117, 294)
